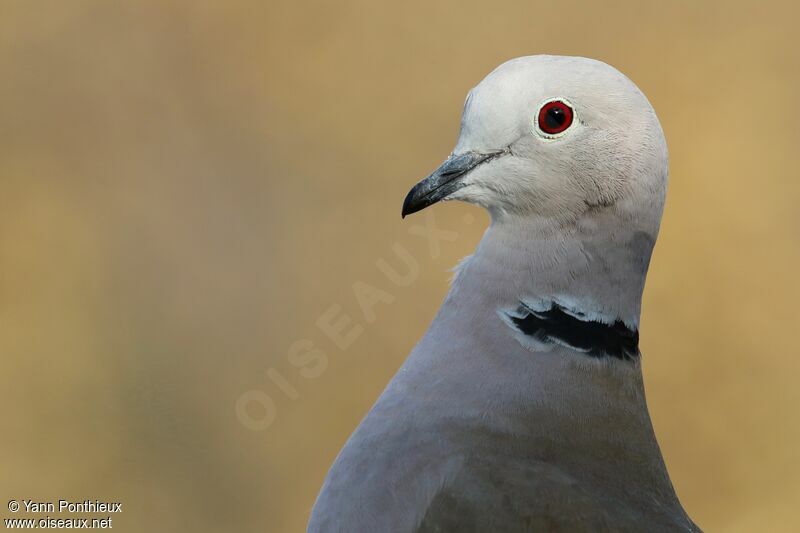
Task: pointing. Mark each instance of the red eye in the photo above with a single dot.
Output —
(555, 117)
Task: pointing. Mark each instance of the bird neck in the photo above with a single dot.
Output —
(473, 368)
(599, 274)
(593, 266)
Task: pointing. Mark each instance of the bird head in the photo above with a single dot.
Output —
(553, 137)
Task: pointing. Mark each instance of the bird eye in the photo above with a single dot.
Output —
(554, 117)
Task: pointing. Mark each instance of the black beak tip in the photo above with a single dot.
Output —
(410, 204)
(414, 203)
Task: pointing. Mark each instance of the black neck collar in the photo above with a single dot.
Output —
(593, 338)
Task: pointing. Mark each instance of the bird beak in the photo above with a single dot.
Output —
(445, 180)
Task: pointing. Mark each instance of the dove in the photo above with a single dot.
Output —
(522, 408)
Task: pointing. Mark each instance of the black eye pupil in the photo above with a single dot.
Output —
(554, 117)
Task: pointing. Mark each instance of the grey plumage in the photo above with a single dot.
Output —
(485, 427)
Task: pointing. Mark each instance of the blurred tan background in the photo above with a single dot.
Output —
(187, 187)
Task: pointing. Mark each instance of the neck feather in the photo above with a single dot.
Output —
(593, 267)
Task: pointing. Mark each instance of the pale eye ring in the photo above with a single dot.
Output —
(554, 117)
